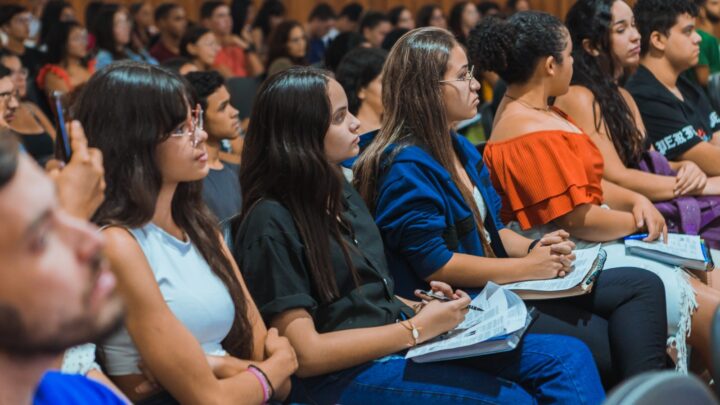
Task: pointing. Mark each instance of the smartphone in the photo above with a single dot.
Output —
(433, 295)
(63, 151)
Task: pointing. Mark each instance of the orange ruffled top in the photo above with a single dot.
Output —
(544, 175)
(59, 72)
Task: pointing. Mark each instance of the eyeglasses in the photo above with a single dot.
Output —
(194, 130)
(22, 72)
(469, 77)
(6, 96)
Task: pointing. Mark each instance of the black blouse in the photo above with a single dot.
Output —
(271, 256)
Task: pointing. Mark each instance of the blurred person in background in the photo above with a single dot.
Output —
(171, 20)
(320, 22)
(236, 57)
(431, 15)
(287, 47)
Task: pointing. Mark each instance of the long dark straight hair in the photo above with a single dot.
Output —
(591, 20)
(415, 113)
(128, 109)
(104, 30)
(57, 42)
(284, 159)
(277, 43)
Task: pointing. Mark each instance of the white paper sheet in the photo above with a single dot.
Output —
(584, 259)
(503, 313)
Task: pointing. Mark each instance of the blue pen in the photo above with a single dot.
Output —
(705, 252)
(637, 236)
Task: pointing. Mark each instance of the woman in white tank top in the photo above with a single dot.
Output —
(191, 323)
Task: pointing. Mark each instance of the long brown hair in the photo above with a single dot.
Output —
(284, 159)
(128, 109)
(415, 113)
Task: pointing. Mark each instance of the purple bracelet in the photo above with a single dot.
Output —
(263, 381)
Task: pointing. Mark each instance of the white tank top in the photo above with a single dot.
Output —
(194, 294)
(480, 202)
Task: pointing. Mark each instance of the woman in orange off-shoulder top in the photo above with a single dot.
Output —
(67, 66)
(549, 175)
(542, 198)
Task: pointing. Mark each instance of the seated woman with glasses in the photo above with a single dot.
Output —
(68, 64)
(439, 214)
(36, 131)
(190, 321)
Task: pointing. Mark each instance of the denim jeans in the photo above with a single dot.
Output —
(543, 369)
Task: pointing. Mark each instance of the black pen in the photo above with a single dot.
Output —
(433, 295)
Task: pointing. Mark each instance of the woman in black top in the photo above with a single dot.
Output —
(314, 262)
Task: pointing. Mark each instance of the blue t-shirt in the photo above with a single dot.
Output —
(66, 389)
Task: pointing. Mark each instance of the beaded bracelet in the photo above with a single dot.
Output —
(263, 382)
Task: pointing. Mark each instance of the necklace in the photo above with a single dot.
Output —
(528, 105)
(573, 128)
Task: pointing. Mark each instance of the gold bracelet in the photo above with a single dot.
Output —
(414, 331)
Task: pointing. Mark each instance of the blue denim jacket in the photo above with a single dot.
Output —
(423, 217)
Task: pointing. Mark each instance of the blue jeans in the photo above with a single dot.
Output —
(543, 369)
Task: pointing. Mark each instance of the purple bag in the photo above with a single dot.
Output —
(687, 214)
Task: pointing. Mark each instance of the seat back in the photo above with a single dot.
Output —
(713, 91)
(715, 339)
(242, 93)
(661, 388)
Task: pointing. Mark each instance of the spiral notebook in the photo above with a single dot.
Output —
(586, 268)
(689, 251)
(498, 327)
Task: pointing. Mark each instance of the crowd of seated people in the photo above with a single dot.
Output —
(166, 243)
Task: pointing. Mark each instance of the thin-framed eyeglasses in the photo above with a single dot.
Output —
(6, 96)
(469, 77)
(195, 128)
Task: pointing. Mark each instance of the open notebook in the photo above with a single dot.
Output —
(499, 327)
(588, 264)
(687, 251)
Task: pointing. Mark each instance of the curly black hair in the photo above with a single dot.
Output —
(513, 47)
(660, 16)
(591, 20)
(356, 70)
